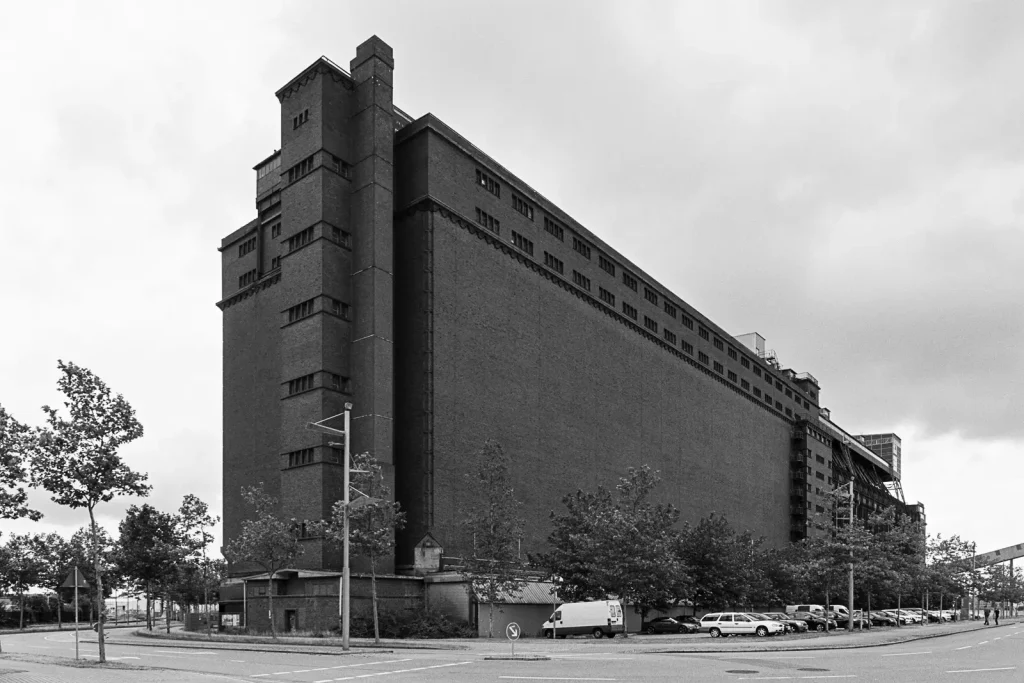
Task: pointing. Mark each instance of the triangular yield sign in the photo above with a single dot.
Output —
(75, 579)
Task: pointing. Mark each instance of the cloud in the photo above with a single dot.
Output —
(845, 178)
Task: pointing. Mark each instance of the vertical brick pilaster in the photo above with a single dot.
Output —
(372, 218)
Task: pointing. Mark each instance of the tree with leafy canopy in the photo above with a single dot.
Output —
(373, 520)
(56, 558)
(901, 541)
(196, 520)
(15, 446)
(76, 458)
(21, 570)
(492, 529)
(266, 540)
(621, 544)
(708, 550)
(147, 549)
(949, 566)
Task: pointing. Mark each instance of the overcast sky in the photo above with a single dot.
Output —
(846, 178)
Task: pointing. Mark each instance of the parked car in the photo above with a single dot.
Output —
(804, 608)
(882, 619)
(842, 620)
(738, 623)
(668, 625)
(903, 616)
(688, 620)
(816, 621)
(792, 625)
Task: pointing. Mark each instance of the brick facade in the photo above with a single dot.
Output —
(452, 303)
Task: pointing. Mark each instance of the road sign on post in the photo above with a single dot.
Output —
(75, 580)
(512, 633)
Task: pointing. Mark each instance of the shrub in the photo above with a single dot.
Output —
(410, 623)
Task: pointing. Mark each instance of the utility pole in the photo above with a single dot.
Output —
(849, 622)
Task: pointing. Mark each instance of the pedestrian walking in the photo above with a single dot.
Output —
(986, 616)
(997, 616)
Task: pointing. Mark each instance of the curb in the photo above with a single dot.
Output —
(519, 658)
(840, 646)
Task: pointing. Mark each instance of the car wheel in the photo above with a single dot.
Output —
(598, 633)
(548, 633)
(715, 633)
(761, 631)
(821, 627)
(650, 631)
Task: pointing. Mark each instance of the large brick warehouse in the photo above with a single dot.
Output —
(394, 265)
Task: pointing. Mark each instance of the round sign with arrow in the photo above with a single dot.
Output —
(512, 631)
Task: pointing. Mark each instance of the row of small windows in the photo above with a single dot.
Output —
(300, 384)
(522, 206)
(703, 357)
(670, 337)
(522, 242)
(554, 264)
(275, 263)
(247, 246)
(247, 278)
(488, 183)
(267, 168)
(300, 118)
(300, 311)
(307, 382)
(488, 221)
(275, 230)
(581, 247)
(554, 229)
(300, 169)
(300, 457)
(300, 239)
(307, 308)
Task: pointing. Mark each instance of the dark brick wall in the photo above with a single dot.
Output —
(576, 397)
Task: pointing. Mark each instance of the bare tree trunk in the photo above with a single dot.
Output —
(899, 614)
(167, 611)
(149, 605)
(60, 608)
(21, 601)
(490, 621)
(99, 589)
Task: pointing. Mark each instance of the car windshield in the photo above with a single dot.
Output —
(758, 616)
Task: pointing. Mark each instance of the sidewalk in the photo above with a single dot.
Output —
(25, 668)
(695, 643)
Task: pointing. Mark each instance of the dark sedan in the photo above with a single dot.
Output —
(792, 625)
(668, 625)
(815, 622)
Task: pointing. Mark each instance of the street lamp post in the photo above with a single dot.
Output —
(849, 622)
(345, 598)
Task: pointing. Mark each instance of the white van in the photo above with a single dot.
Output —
(600, 618)
(805, 608)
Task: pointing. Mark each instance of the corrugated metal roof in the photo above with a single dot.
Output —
(535, 593)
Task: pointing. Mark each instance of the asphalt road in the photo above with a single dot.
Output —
(995, 654)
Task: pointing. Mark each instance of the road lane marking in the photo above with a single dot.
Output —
(965, 647)
(982, 642)
(400, 671)
(329, 668)
(971, 671)
(552, 678)
(905, 654)
(186, 652)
